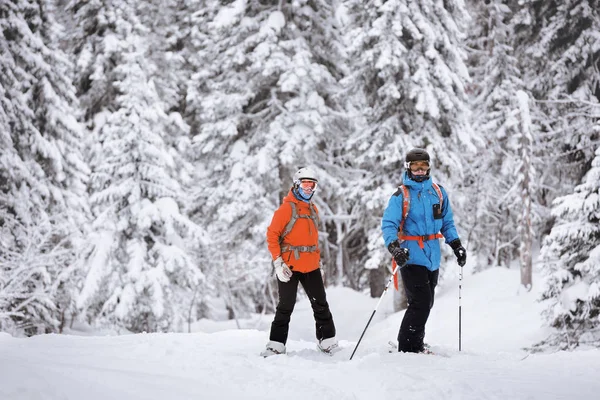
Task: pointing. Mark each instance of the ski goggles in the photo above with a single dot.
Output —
(308, 185)
(415, 166)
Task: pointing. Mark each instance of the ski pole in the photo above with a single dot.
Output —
(375, 310)
(460, 309)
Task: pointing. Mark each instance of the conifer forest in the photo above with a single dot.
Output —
(144, 145)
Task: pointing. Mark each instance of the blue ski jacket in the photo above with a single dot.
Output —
(419, 222)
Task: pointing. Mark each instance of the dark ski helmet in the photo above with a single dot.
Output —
(417, 154)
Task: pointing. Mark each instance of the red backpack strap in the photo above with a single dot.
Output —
(420, 239)
(439, 193)
(405, 207)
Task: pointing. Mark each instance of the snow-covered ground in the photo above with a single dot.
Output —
(219, 361)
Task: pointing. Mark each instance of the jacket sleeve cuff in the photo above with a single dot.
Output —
(455, 244)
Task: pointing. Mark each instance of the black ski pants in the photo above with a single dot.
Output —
(419, 284)
(312, 282)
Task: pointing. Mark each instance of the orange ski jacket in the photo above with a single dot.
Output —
(299, 249)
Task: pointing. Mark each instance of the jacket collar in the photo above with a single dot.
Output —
(298, 196)
(293, 197)
(426, 184)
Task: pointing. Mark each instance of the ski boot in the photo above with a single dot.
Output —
(273, 348)
(329, 345)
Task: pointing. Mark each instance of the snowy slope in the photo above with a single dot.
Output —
(498, 321)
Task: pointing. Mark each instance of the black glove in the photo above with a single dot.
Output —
(400, 255)
(459, 252)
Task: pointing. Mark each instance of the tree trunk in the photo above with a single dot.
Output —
(526, 172)
(339, 259)
(376, 282)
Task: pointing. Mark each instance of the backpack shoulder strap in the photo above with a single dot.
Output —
(292, 221)
(405, 206)
(436, 187)
(314, 215)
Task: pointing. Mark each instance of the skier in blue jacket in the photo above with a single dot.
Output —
(413, 243)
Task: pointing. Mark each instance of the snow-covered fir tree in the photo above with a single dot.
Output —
(558, 43)
(142, 270)
(571, 255)
(249, 91)
(535, 31)
(492, 220)
(167, 23)
(43, 176)
(264, 100)
(408, 69)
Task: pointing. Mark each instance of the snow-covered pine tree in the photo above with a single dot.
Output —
(571, 255)
(36, 267)
(559, 49)
(492, 216)
(43, 178)
(171, 25)
(201, 46)
(142, 270)
(408, 66)
(540, 33)
(264, 100)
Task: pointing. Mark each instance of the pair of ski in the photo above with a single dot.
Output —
(392, 348)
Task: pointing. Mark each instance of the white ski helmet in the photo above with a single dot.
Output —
(305, 173)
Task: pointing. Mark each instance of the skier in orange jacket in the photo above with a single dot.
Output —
(293, 241)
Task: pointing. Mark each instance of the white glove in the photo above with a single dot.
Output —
(322, 269)
(283, 272)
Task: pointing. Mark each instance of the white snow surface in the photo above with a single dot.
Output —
(219, 361)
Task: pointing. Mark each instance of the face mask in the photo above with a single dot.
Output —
(304, 194)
